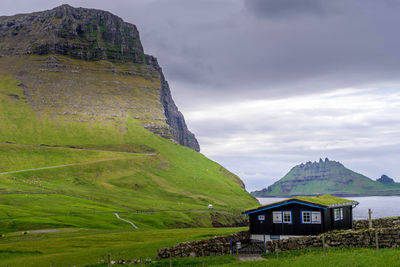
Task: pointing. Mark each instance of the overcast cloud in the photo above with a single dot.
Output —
(267, 84)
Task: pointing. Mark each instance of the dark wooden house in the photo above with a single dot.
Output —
(300, 216)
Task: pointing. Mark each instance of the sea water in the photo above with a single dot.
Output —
(381, 206)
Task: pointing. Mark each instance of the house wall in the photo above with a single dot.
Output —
(345, 223)
(295, 228)
(298, 228)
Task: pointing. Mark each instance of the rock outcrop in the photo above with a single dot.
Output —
(91, 35)
(385, 179)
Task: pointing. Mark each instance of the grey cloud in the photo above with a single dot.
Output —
(285, 8)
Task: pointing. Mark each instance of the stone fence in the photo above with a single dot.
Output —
(377, 223)
(387, 237)
(219, 245)
(388, 230)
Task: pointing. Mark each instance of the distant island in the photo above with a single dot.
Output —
(328, 177)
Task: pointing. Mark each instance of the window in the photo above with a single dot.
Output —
(313, 217)
(338, 214)
(287, 216)
(316, 217)
(306, 217)
(282, 216)
(261, 217)
(277, 216)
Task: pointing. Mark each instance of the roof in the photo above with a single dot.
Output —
(323, 202)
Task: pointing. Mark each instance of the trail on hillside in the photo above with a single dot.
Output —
(73, 164)
(77, 148)
(131, 223)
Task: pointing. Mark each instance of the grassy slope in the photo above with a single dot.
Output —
(174, 182)
(122, 168)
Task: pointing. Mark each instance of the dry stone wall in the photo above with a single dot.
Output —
(388, 230)
(387, 237)
(377, 223)
(219, 245)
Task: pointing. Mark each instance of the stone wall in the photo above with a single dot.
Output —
(219, 245)
(387, 237)
(377, 223)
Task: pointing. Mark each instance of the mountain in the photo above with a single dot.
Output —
(88, 128)
(385, 179)
(51, 54)
(326, 177)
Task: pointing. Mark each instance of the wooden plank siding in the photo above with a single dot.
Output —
(296, 227)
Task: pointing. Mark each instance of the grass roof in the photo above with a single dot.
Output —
(325, 200)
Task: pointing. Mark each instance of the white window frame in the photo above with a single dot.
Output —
(318, 214)
(285, 212)
(277, 217)
(309, 215)
(312, 215)
(338, 214)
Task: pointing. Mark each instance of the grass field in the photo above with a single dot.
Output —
(84, 247)
(336, 257)
(73, 246)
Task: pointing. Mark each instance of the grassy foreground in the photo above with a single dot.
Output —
(336, 257)
(82, 246)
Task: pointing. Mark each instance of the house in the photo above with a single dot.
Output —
(300, 216)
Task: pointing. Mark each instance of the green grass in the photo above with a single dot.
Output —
(171, 187)
(112, 164)
(81, 247)
(325, 200)
(336, 257)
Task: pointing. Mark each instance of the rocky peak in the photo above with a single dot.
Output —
(385, 179)
(317, 166)
(90, 34)
(82, 33)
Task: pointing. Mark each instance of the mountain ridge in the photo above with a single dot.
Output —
(326, 177)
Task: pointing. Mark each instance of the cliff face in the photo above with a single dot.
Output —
(325, 177)
(175, 120)
(76, 32)
(47, 51)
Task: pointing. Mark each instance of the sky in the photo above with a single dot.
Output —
(268, 84)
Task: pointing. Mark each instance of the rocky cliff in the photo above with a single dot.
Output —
(89, 65)
(326, 177)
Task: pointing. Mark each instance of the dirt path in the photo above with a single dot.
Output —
(250, 258)
(131, 223)
(44, 231)
(77, 148)
(72, 164)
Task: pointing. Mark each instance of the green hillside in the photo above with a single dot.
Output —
(109, 167)
(326, 177)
